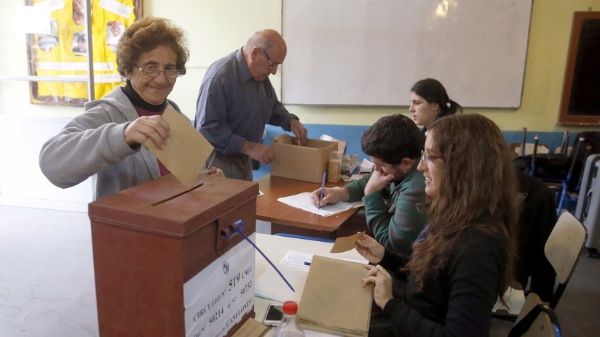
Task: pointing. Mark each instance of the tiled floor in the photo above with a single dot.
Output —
(47, 279)
(46, 274)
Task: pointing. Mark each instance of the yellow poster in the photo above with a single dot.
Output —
(63, 52)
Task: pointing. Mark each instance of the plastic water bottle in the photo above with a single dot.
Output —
(288, 326)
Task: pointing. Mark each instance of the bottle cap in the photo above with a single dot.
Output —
(290, 307)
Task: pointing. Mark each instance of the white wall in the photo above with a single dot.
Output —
(21, 181)
(213, 30)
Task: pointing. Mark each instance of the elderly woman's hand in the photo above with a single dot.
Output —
(214, 172)
(147, 127)
(382, 281)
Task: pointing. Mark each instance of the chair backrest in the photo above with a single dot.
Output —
(535, 320)
(531, 300)
(563, 249)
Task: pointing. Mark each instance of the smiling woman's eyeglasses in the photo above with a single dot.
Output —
(272, 64)
(426, 158)
(153, 70)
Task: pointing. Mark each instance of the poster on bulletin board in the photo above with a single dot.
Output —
(62, 49)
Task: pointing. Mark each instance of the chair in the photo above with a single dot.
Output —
(567, 196)
(560, 172)
(536, 320)
(563, 249)
(564, 148)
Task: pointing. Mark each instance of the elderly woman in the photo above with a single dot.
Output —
(430, 101)
(461, 262)
(106, 139)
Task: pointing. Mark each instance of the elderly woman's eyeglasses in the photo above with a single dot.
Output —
(153, 70)
(272, 64)
(426, 158)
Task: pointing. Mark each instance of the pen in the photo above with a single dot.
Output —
(322, 193)
(210, 161)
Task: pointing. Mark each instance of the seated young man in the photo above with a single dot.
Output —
(394, 190)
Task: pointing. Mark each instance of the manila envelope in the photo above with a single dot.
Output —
(333, 299)
(186, 150)
(344, 243)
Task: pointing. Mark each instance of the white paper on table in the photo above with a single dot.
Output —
(271, 286)
(366, 166)
(297, 260)
(303, 202)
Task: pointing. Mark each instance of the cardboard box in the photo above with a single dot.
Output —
(307, 162)
(163, 263)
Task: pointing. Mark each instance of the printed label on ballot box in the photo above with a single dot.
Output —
(221, 294)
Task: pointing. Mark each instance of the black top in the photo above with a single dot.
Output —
(459, 300)
(536, 221)
(139, 102)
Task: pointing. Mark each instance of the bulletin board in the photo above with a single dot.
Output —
(370, 52)
(63, 52)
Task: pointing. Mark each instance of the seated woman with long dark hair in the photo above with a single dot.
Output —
(462, 260)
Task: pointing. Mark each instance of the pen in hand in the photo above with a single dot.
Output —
(208, 164)
(322, 193)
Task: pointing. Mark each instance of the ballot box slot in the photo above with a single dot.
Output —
(177, 195)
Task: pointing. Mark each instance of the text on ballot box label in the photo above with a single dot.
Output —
(221, 294)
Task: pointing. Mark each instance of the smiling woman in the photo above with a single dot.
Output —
(106, 139)
(461, 262)
(148, 80)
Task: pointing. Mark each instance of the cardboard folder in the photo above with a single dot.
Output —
(333, 299)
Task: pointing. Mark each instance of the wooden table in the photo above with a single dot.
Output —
(287, 219)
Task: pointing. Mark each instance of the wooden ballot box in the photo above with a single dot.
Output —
(165, 263)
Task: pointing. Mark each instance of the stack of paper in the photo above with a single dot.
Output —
(303, 201)
(333, 299)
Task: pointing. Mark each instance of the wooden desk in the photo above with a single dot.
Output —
(288, 219)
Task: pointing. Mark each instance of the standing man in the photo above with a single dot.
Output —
(395, 189)
(237, 100)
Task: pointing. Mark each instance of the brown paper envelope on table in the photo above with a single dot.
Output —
(186, 150)
(333, 299)
(344, 243)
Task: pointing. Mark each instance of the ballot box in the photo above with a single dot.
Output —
(168, 262)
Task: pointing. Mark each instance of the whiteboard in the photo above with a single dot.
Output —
(371, 52)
